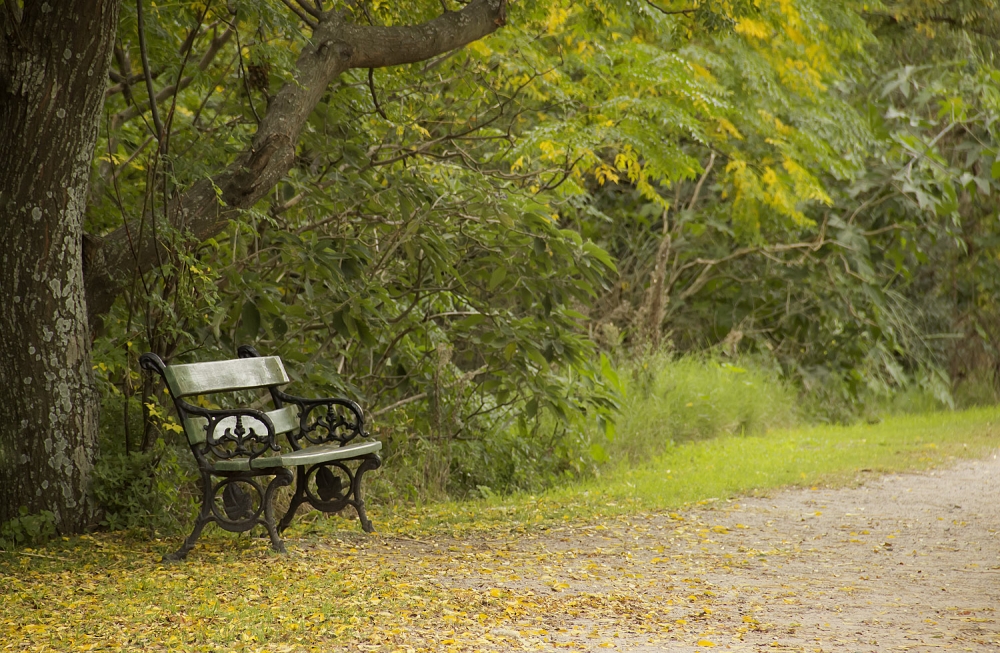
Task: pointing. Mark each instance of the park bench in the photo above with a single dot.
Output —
(239, 448)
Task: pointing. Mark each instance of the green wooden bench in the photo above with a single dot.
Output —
(239, 448)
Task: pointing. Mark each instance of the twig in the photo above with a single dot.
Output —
(35, 555)
(117, 171)
(697, 188)
(145, 69)
(669, 12)
(209, 55)
(401, 402)
(243, 72)
(371, 85)
(312, 11)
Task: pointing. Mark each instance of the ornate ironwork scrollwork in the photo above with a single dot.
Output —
(239, 439)
(333, 482)
(239, 510)
(340, 422)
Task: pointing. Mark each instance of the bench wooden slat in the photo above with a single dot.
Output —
(308, 456)
(224, 376)
(284, 419)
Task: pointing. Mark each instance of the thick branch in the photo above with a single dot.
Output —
(207, 206)
(370, 46)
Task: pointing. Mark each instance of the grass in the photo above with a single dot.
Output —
(335, 588)
(695, 397)
(727, 466)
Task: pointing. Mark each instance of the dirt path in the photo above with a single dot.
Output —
(906, 562)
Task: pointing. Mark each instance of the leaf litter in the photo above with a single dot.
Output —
(905, 562)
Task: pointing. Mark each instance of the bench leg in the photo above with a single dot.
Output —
(282, 478)
(242, 518)
(340, 496)
(297, 499)
(367, 465)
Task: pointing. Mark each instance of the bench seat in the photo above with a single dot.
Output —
(308, 456)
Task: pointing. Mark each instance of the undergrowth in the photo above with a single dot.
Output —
(668, 404)
(675, 399)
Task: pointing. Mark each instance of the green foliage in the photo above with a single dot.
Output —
(141, 488)
(794, 180)
(28, 529)
(885, 281)
(672, 399)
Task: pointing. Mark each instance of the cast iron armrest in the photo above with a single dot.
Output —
(237, 438)
(341, 421)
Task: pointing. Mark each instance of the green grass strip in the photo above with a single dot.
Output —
(724, 467)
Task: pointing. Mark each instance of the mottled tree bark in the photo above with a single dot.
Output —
(54, 61)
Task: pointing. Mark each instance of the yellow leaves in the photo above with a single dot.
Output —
(702, 72)
(480, 48)
(726, 127)
(807, 187)
(604, 173)
(782, 192)
(752, 28)
(549, 151)
(649, 192)
(556, 19)
(627, 161)
(800, 76)
(706, 643)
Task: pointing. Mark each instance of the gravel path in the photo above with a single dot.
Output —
(903, 562)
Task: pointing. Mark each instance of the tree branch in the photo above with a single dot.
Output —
(147, 73)
(205, 208)
(375, 46)
(669, 12)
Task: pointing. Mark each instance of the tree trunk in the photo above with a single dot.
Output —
(54, 61)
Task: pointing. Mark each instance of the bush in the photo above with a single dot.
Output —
(697, 396)
(148, 490)
(28, 530)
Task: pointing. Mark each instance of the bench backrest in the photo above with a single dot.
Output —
(224, 376)
(186, 380)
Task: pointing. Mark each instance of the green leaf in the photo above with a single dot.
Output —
(499, 274)
(250, 319)
(597, 453)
